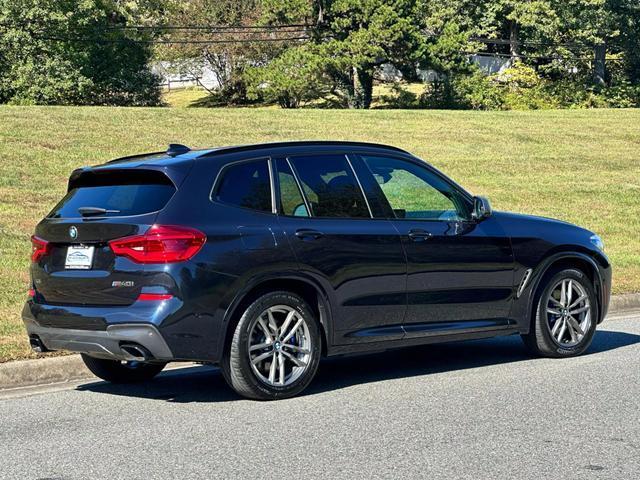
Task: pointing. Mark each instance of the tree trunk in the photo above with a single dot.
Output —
(514, 47)
(599, 65)
(362, 87)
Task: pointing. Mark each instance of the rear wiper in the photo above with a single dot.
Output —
(91, 211)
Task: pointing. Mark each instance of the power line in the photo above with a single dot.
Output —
(283, 33)
(534, 57)
(280, 39)
(168, 42)
(506, 41)
(208, 28)
(282, 28)
(260, 30)
(216, 31)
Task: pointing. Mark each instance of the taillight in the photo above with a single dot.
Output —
(160, 244)
(151, 297)
(39, 248)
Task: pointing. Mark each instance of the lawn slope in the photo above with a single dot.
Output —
(582, 166)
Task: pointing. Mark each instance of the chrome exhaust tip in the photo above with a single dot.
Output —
(135, 352)
(37, 345)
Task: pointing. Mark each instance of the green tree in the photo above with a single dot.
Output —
(230, 53)
(356, 37)
(68, 52)
(628, 13)
(603, 28)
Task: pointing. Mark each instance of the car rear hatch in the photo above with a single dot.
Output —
(73, 263)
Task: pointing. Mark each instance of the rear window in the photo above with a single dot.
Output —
(120, 195)
(246, 185)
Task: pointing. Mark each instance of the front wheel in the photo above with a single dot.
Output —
(275, 349)
(115, 371)
(566, 315)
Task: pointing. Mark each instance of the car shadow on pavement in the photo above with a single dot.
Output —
(205, 383)
(440, 358)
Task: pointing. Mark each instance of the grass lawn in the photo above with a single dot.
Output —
(189, 97)
(577, 165)
(183, 97)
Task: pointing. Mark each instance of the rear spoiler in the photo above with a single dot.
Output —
(90, 177)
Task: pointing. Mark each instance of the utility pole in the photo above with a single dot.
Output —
(599, 64)
(514, 46)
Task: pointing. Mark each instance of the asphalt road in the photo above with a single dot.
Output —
(476, 410)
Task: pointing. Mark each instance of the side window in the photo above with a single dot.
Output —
(291, 201)
(246, 185)
(330, 186)
(415, 192)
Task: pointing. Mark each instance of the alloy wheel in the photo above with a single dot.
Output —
(279, 346)
(568, 312)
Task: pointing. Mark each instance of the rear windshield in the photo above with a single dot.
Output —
(117, 195)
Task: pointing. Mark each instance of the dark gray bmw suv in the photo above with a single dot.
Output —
(264, 258)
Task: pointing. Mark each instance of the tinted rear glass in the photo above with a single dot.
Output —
(116, 194)
(291, 201)
(330, 186)
(246, 185)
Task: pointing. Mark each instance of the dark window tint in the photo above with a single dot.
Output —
(291, 201)
(115, 194)
(415, 192)
(330, 186)
(246, 185)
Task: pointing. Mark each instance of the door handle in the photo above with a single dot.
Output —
(419, 235)
(308, 234)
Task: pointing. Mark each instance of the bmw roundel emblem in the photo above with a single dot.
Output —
(73, 232)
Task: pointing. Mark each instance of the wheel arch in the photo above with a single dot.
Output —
(307, 288)
(561, 260)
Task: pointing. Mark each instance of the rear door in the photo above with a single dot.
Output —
(460, 272)
(358, 259)
(79, 267)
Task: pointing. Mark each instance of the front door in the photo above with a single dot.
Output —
(358, 259)
(460, 271)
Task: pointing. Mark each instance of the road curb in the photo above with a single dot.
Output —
(628, 301)
(42, 371)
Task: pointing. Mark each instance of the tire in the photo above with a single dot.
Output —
(255, 380)
(117, 372)
(541, 339)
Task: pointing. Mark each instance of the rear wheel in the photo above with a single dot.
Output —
(275, 349)
(115, 371)
(565, 317)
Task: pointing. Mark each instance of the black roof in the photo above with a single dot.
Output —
(297, 143)
(180, 153)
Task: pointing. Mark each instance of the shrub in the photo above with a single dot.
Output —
(480, 92)
(294, 78)
(524, 88)
(476, 91)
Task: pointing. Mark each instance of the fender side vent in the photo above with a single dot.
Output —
(523, 283)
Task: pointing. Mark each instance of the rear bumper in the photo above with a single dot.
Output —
(103, 343)
(99, 332)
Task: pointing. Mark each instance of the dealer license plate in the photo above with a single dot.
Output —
(79, 257)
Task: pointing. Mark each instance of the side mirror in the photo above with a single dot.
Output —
(481, 208)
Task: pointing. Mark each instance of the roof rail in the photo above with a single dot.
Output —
(256, 146)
